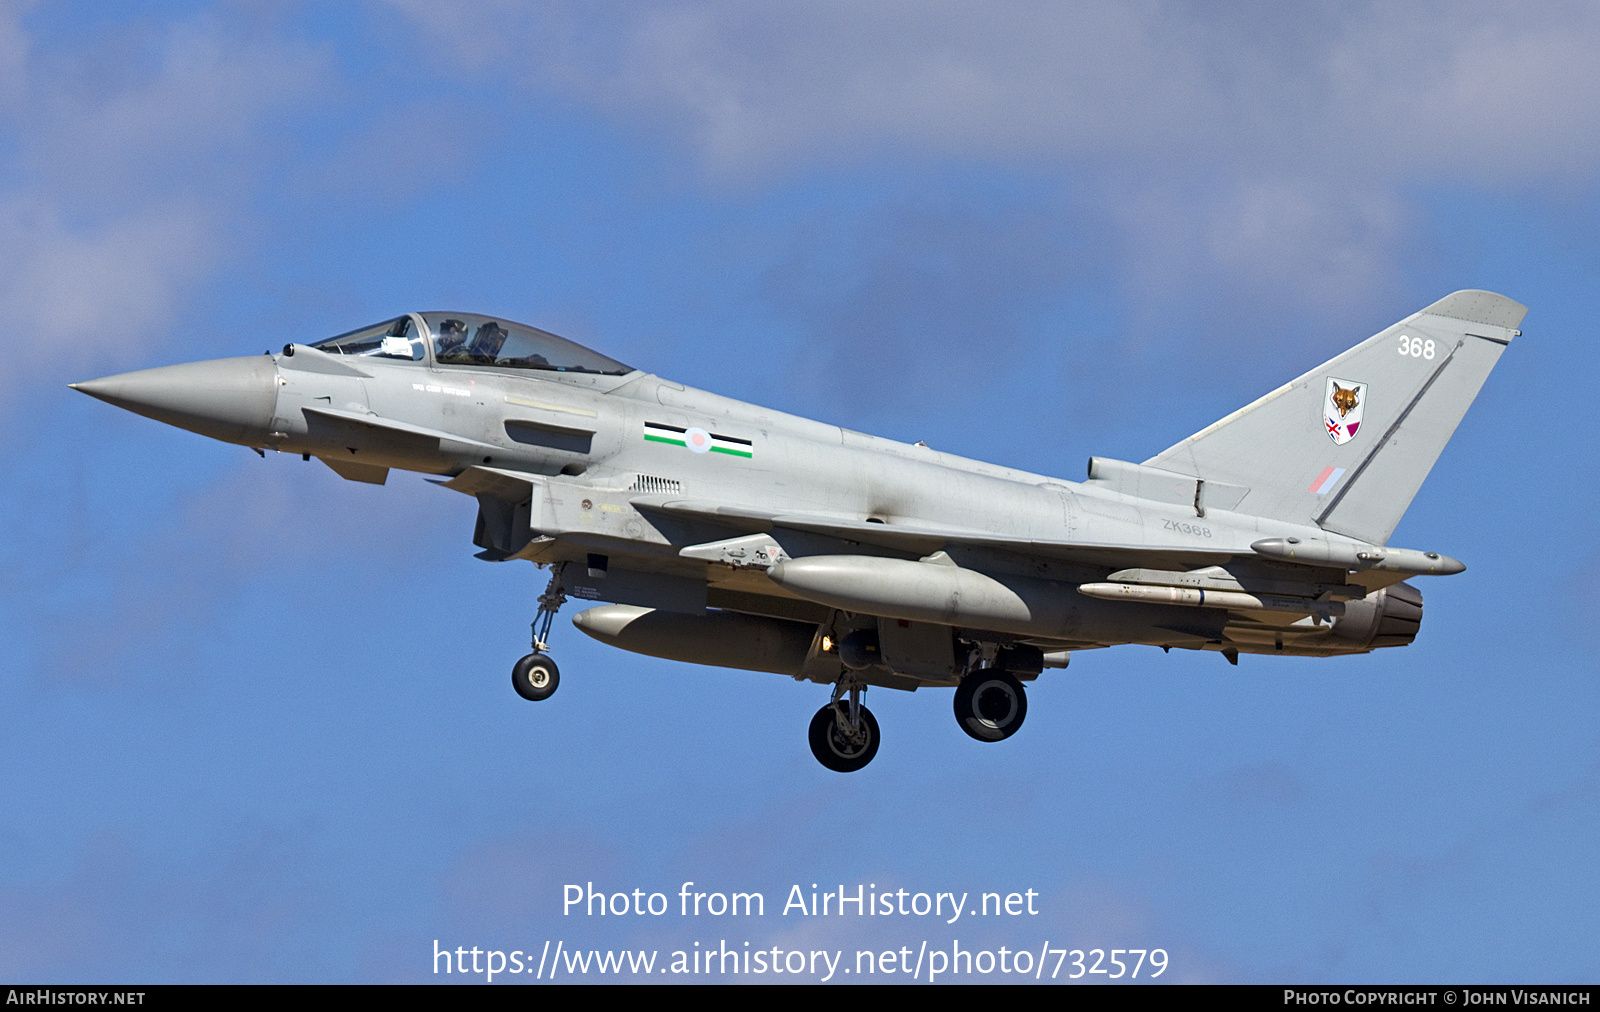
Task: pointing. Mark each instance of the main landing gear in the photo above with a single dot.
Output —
(536, 676)
(844, 734)
(990, 704)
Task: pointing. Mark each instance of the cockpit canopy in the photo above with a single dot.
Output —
(468, 339)
(400, 339)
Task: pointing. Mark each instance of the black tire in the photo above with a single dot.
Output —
(535, 677)
(834, 749)
(990, 705)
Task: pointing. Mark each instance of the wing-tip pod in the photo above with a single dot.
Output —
(1316, 552)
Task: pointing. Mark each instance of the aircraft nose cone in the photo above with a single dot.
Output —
(231, 399)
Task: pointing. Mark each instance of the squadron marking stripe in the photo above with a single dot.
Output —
(698, 440)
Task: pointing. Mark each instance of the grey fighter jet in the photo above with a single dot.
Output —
(728, 534)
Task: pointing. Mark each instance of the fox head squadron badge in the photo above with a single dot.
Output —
(1342, 408)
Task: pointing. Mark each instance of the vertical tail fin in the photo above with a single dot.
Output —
(1347, 445)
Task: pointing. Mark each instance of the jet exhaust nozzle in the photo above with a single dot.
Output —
(1390, 617)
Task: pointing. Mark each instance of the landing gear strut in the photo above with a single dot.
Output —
(536, 676)
(844, 734)
(990, 704)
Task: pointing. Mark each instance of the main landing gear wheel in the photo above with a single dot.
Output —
(535, 677)
(839, 748)
(990, 705)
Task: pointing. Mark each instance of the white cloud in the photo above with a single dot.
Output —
(1470, 90)
(131, 164)
(1274, 147)
(81, 294)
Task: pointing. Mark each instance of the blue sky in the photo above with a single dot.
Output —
(260, 726)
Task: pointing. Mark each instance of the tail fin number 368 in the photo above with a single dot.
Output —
(1416, 347)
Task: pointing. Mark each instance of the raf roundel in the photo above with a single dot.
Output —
(698, 440)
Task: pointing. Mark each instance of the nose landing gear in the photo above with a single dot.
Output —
(536, 676)
(844, 734)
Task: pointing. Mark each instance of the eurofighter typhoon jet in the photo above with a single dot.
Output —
(728, 534)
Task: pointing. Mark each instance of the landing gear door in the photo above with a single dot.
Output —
(918, 649)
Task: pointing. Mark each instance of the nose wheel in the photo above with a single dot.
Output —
(844, 734)
(536, 676)
(990, 704)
